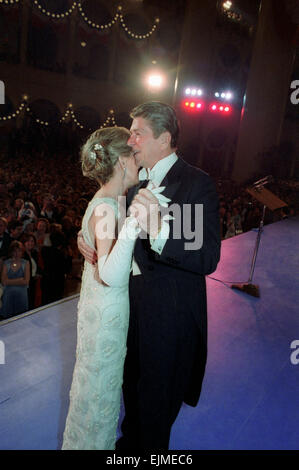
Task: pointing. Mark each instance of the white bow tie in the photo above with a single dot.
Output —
(146, 174)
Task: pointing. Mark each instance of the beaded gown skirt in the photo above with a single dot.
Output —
(95, 395)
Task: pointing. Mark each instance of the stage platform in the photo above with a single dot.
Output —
(250, 393)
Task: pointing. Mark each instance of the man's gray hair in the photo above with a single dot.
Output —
(161, 118)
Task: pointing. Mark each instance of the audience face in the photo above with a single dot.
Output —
(17, 253)
(18, 204)
(39, 199)
(71, 214)
(41, 226)
(48, 206)
(29, 227)
(16, 232)
(60, 208)
(29, 244)
(67, 223)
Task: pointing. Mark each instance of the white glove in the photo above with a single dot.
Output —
(114, 268)
(163, 200)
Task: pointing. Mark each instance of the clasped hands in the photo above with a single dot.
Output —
(145, 208)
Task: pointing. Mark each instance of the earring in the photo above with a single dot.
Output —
(124, 168)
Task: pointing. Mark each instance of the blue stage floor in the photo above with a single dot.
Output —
(250, 396)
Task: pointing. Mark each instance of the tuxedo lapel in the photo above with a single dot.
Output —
(170, 189)
(172, 180)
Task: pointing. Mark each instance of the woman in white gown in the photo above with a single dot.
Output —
(103, 308)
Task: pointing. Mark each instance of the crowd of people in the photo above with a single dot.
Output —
(41, 207)
(241, 212)
(42, 201)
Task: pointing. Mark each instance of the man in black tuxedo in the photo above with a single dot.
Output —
(167, 337)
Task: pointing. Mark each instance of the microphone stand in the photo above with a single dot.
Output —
(270, 200)
(248, 287)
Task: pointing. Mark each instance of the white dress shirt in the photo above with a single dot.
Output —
(155, 176)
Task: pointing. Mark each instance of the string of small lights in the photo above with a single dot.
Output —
(138, 36)
(55, 15)
(9, 2)
(100, 27)
(96, 25)
(69, 114)
(110, 120)
(15, 114)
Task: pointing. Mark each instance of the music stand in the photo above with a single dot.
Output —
(268, 199)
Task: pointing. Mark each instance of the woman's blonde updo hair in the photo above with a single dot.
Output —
(101, 151)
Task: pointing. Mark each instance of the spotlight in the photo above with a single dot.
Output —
(155, 81)
(217, 94)
(227, 5)
(187, 91)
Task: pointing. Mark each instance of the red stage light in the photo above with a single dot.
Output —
(219, 107)
(193, 105)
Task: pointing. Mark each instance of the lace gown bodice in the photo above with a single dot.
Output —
(103, 316)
